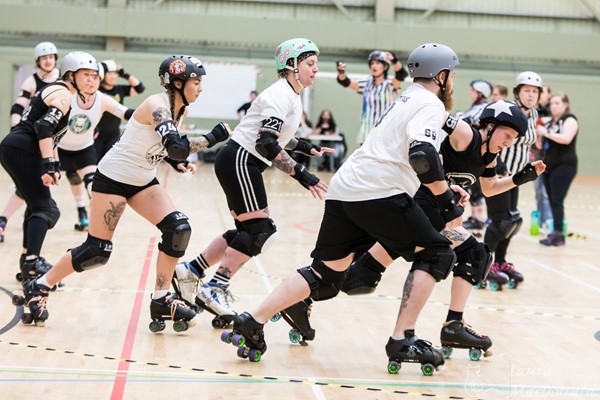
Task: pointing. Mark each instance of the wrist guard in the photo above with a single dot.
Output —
(448, 207)
(175, 163)
(401, 74)
(49, 166)
(218, 134)
(344, 82)
(305, 178)
(527, 174)
(123, 74)
(304, 147)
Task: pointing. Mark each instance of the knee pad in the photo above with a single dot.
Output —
(176, 234)
(88, 179)
(93, 253)
(473, 261)
(230, 235)
(502, 228)
(48, 211)
(517, 222)
(252, 235)
(437, 261)
(325, 283)
(73, 178)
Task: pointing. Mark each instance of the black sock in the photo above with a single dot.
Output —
(454, 316)
(409, 333)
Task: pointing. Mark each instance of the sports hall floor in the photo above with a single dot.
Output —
(97, 345)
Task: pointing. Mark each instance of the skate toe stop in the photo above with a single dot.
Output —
(487, 353)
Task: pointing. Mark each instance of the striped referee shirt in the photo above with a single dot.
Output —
(376, 99)
(516, 156)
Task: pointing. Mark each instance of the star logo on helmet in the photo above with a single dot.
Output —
(500, 107)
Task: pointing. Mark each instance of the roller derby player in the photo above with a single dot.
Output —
(127, 176)
(469, 154)
(370, 199)
(259, 141)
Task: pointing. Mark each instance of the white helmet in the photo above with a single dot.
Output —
(529, 78)
(43, 49)
(482, 86)
(109, 66)
(77, 60)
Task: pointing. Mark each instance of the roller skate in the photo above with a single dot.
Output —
(3, 222)
(84, 221)
(554, 239)
(169, 308)
(413, 350)
(360, 279)
(494, 280)
(248, 336)
(34, 297)
(297, 316)
(457, 334)
(186, 282)
(215, 299)
(514, 276)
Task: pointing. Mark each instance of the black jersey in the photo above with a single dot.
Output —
(463, 168)
(109, 124)
(39, 83)
(558, 154)
(25, 137)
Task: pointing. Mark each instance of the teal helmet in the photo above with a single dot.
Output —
(292, 49)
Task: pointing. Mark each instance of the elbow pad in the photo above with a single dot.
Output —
(17, 109)
(45, 126)
(139, 88)
(267, 145)
(178, 147)
(129, 113)
(425, 160)
(344, 82)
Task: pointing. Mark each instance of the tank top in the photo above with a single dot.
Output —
(559, 154)
(81, 124)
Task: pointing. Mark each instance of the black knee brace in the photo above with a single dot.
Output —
(48, 211)
(473, 261)
(88, 179)
(437, 261)
(230, 235)
(252, 235)
(324, 282)
(176, 234)
(73, 178)
(93, 253)
(502, 227)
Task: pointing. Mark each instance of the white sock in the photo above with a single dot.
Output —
(43, 281)
(159, 294)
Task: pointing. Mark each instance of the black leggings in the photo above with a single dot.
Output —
(557, 182)
(502, 206)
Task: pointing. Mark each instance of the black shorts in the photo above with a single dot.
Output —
(103, 184)
(396, 222)
(71, 161)
(240, 176)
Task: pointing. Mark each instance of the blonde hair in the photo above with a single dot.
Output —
(564, 98)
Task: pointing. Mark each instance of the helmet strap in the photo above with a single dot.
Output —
(74, 83)
(488, 156)
(442, 85)
(296, 73)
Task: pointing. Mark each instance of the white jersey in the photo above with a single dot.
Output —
(81, 125)
(135, 157)
(380, 167)
(280, 101)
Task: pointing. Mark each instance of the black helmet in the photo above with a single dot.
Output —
(506, 113)
(179, 68)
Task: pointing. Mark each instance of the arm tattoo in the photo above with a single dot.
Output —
(408, 287)
(454, 235)
(286, 164)
(161, 114)
(197, 144)
(162, 282)
(112, 215)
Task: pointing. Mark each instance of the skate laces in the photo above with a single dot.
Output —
(508, 267)
(225, 295)
(471, 331)
(174, 303)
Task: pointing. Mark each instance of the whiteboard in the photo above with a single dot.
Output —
(225, 87)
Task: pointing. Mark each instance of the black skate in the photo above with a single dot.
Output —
(360, 280)
(35, 298)
(84, 221)
(413, 350)
(494, 279)
(297, 316)
(514, 276)
(169, 308)
(3, 222)
(457, 334)
(34, 269)
(248, 336)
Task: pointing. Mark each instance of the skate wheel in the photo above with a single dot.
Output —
(276, 317)
(19, 277)
(27, 318)
(393, 367)
(446, 351)
(241, 352)
(238, 340)
(18, 300)
(427, 369)
(477, 286)
(295, 336)
(226, 337)
(157, 326)
(512, 284)
(180, 326)
(494, 287)
(218, 323)
(254, 355)
(474, 354)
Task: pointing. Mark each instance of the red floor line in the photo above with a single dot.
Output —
(121, 379)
